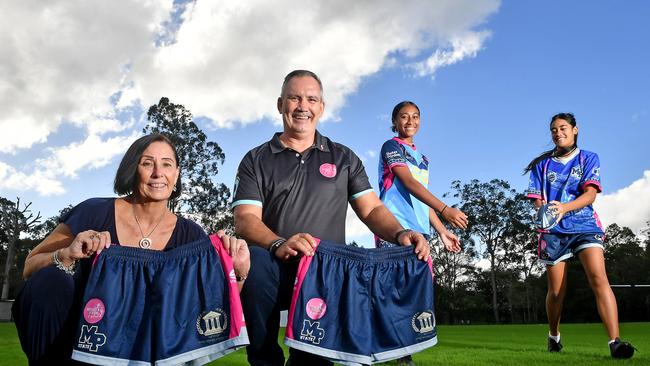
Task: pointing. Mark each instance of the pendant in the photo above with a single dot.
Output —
(145, 243)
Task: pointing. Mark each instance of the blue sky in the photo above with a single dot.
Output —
(487, 76)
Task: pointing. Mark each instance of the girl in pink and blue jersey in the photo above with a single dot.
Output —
(568, 178)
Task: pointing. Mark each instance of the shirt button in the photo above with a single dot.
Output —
(302, 161)
(297, 155)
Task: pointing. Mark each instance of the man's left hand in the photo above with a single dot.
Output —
(416, 239)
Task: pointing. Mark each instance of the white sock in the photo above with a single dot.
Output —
(611, 341)
(555, 338)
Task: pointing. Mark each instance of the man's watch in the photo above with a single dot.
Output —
(276, 244)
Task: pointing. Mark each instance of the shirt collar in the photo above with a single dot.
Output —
(320, 143)
(404, 142)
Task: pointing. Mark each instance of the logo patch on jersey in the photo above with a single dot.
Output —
(90, 339)
(311, 332)
(94, 311)
(423, 322)
(328, 170)
(316, 308)
(212, 322)
(552, 176)
(576, 172)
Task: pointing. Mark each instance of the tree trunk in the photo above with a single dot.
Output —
(10, 259)
(493, 280)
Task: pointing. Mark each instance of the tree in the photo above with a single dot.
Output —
(494, 209)
(199, 159)
(14, 221)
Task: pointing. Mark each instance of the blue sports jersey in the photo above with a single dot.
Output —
(563, 180)
(410, 212)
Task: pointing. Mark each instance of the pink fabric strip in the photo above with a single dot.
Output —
(594, 183)
(236, 312)
(303, 266)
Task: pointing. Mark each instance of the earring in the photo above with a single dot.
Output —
(174, 189)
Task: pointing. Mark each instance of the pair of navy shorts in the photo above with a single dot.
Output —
(356, 305)
(144, 307)
(556, 247)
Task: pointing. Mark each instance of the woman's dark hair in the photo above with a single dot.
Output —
(572, 121)
(396, 110)
(126, 177)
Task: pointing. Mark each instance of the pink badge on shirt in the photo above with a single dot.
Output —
(328, 170)
(94, 311)
(316, 308)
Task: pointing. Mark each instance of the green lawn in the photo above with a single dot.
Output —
(584, 344)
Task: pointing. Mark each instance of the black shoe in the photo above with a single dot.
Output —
(554, 346)
(621, 349)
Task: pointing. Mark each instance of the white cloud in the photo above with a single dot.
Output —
(371, 153)
(627, 206)
(62, 60)
(356, 230)
(228, 59)
(45, 175)
(460, 48)
(84, 62)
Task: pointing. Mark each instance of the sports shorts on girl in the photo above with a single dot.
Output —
(144, 307)
(357, 305)
(556, 247)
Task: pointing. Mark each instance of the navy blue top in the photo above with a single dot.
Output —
(99, 214)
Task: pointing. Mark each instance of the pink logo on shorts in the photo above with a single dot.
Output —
(328, 170)
(94, 311)
(316, 308)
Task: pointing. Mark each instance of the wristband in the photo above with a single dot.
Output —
(57, 262)
(399, 233)
(276, 244)
(443, 209)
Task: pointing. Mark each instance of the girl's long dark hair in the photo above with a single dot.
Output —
(547, 154)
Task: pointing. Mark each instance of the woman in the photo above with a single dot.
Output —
(47, 309)
(403, 180)
(569, 179)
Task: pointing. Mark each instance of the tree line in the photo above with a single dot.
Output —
(508, 287)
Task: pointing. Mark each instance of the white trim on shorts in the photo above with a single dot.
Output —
(578, 249)
(196, 357)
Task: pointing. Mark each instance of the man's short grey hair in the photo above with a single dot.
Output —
(301, 73)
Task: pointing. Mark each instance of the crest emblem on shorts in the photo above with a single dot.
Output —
(311, 332)
(423, 322)
(316, 308)
(212, 322)
(328, 170)
(94, 311)
(90, 338)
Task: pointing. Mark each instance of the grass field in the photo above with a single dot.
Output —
(584, 344)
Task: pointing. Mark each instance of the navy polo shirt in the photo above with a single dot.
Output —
(302, 193)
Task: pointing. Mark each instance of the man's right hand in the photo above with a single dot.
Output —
(296, 246)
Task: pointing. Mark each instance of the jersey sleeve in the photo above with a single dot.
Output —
(247, 191)
(392, 155)
(534, 190)
(591, 172)
(358, 183)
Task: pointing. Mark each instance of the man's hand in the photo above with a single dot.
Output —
(450, 241)
(455, 217)
(411, 237)
(296, 246)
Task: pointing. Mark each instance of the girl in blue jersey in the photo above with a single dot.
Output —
(569, 179)
(403, 180)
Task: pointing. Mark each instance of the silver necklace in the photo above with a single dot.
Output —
(145, 242)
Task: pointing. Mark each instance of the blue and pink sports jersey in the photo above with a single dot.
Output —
(410, 212)
(563, 180)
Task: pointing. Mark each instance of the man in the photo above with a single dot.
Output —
(288, 191)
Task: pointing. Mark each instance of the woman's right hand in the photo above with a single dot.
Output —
(85, 245)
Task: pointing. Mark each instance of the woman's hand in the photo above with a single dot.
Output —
(84, 245)
(559, 208)
(238, 250)
(450, 241)
(455, 217)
